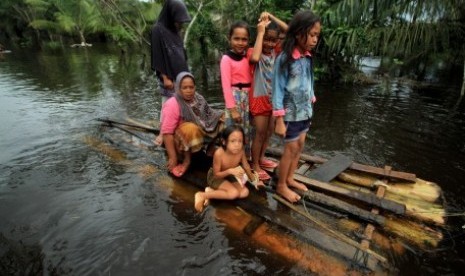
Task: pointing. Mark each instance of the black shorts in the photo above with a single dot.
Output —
(294, 129)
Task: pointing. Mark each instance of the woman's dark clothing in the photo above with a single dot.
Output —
(168, 53)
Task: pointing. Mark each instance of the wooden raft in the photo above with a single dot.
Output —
(319, 178)
(403, 176)
(370, 228)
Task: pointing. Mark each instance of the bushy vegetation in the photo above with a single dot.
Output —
(412, 36)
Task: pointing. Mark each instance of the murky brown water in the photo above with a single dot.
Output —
(68, 209)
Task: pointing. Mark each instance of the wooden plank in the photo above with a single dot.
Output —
(325, 226)
(363, 197)
(410, 177)
(330, 169)
(342, 206)
(370, 228)
(303, 168)
(129, 124)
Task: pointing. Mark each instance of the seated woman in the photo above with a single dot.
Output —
(186, 119)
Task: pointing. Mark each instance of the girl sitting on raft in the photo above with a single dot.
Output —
(230, 170)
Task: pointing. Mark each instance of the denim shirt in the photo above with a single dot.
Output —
(292, 91)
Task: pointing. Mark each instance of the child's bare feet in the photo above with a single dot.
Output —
(297, 185)
(287, 193)
(207, 201)
(199, 202)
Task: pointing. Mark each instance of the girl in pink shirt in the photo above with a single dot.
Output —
(236, 79)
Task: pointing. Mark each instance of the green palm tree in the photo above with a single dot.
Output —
(412, 31)
(79, 17)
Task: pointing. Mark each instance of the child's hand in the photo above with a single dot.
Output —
(237, 172)
(264, 16)
(236, 116)
(280, 128)
(313, 100)
(256, 182)
(262, 24)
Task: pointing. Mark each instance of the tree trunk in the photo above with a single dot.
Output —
(83, 39)
(186, 34)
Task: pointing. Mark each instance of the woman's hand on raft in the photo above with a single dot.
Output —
(172, 162)
(222, 117)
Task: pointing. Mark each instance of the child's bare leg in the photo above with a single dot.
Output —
(295, 162)
(207, 190)
(244, 192)
(199, 201)
(284, 168)
(269, 132)
(290, 178)
(226, 190)
(261, 128)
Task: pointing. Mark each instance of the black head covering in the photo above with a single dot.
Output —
(168, 53)
(173, 11)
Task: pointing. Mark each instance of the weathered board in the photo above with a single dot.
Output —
(330, 169)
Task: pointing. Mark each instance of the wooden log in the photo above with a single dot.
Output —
(421, 236)
(134, 124)
(310, 234)
(341, 206)
(380, 172)
(370, 228)
(282, 244)
(402, 229)
(306, 257)
(328, 228)
(355, 166)
(366, 198)
(421, 189)
(416, 208)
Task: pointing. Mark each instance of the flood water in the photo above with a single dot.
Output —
(68, 209)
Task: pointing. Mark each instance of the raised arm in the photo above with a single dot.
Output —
(281, 24)
(257, 48)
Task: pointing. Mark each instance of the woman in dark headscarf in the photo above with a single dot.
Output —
(186, 120)
(168, 53)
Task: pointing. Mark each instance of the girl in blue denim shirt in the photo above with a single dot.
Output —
(293, 96)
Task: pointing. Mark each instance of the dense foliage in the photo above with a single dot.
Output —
(412, 36)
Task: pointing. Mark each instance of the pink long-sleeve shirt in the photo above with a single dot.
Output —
(171, 118)
(234, 72)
